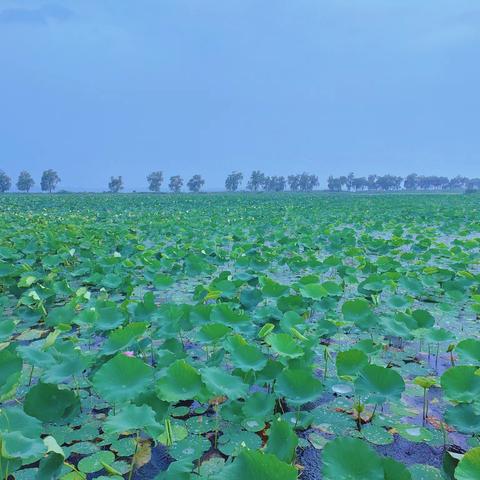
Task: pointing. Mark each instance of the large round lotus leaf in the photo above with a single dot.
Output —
(461, 384)
(122, 378)
(15, 444)
(219, 382)
(123, 337)
(350, 458)
(423, 318)
(245, 356)
(377, 435)
(10, 372)
(350, 362)
(282, 441)
(469, 466)
(180, 382)
(256, 465)
(109, 316)
(94, 463)
(464, 417)
(394, 470)
(379, 383)
(222, 313)
(213, 332)
(469, 351)
(414, 433)
(258, 405)
(298, 386)
(14, 419)
(356, 310)
(190, 448)
(439, 335)
(232, 442)
(284, 345)
(315, 291)
(270, 288)
(49, 403)
(131, 418)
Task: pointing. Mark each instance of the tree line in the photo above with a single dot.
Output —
(258, 181)
(392, 183)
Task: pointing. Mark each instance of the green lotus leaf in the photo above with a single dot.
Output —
(352, 459)
(461, 384)
(94, 463)
(270, 288)
(282, 441)
(233, 443)
(298, 386)
(423, 318)
(439, 335)
(190, 448)
(10, 371)
(223, 314)
(256, 465)
(414, 433)
(219, 382)
(7, 326)
(49, 403)
(122, 338)
(109, 316)
(394, 470)
(259, 405)
(424, 382)
(469, 466)
(66, 361)
(180, 382)
(284, 345)
(350, 362)
(464, 417)
(244, 355)
(131, 418)
(122, 378)
(356, 310)
(15, 444)
(469, 351)
(380, 384)
(213, 332)
(315, 291)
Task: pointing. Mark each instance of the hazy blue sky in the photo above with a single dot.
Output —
(94, 88)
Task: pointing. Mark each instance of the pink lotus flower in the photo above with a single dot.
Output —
(129, 353)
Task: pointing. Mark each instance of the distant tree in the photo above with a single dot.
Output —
(294, 182)
(372, 182)
(115, 184)
(155, 180)
(411, 182)
(458, 182)
(360, 183)
(25, 182)
(5, 182)
(233, 181)
(175, 184)
(49, 180)
(334, 184)
(257, 181)
(275, 184)
(195, 183)
(473, 184)
(349, 181)
(308, 182)
(389, 182)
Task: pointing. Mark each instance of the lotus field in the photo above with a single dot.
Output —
(240, 337)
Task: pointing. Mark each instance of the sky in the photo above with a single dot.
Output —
(96, 88)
